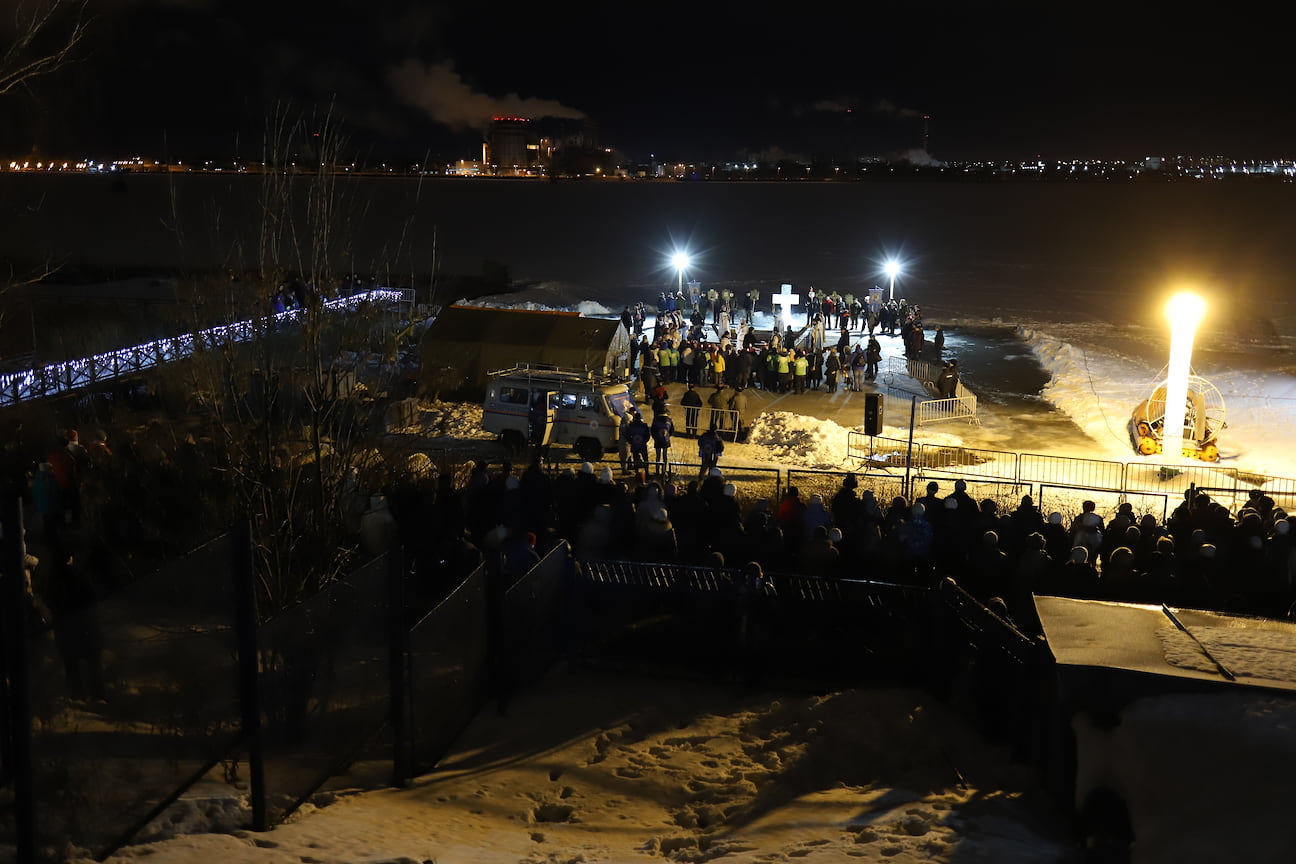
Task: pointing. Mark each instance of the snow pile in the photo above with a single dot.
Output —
(457, 420)
(795, 439)
(546, 297)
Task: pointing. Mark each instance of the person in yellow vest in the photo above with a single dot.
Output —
(784, 371)
(800, 366)
(665, 365)
(718, 367)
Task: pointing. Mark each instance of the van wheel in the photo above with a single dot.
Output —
(513, 441)
(588, 449)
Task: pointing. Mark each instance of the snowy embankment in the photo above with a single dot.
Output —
(1099, 388)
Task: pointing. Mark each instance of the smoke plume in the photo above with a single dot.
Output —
(439, 90)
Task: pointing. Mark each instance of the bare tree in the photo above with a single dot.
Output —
(45, 33)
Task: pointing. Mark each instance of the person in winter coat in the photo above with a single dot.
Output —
(815, 516)
(662, 429)
(915, 538)
(832, 368)
(710, 449)
(791, 514)
(623, 440)
(719, 402)
(638, 435)
(738, 405)
(872, 357)
(692, 402)
(947, 383)
(859, 363)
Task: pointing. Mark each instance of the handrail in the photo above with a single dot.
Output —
(54, 379)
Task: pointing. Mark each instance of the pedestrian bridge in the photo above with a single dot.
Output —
(55, 379)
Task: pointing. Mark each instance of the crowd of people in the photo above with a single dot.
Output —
(1201, 557)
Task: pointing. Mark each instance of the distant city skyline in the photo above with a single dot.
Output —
(407, 81)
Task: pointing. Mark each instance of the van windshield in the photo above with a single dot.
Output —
(619, 403)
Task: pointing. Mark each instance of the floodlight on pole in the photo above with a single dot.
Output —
(1185, 311)
(892, 268)
(681, 262)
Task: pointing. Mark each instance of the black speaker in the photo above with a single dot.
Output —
(872, 413)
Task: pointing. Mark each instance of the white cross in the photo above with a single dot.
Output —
(787, 300)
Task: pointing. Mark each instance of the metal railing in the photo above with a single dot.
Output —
(1118, 481)
(54, 379)
(938, 410)
(961, 406)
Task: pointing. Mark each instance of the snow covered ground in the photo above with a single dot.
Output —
(591, 768)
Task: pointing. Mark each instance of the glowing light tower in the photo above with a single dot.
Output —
(681, 262)
(892, 268)
(1185, 312)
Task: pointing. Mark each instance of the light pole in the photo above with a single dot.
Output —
(1185, 312)
(681, 262)
(892, 268)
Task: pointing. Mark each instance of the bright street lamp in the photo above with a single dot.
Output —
(892, 268)
(1185, 312)
(681, 262)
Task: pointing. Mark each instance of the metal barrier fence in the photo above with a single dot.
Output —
(725, 421)
(1089, 473)
(877, 451)
(1161, 486)
(324, 684)
(826, 484)
(924, 372)
(968, 462)
(533, 614)
(448, 672)
(938, 410)
(132, 698)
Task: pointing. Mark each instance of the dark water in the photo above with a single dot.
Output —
(1076, 252)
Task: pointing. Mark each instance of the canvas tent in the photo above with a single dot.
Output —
(464, 343)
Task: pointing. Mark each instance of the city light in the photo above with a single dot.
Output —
(1185, 311)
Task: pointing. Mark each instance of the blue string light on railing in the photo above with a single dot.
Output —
(56, 378)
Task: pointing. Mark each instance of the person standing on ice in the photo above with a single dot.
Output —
(832, 367)
(872, 357)
(858, 364)
(947, 383)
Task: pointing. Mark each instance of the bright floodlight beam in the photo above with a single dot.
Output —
(892, 268)
(681, 262)
(1185, 311)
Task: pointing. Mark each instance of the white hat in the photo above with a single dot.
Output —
(715, 472)
(605, 476)
(730, 490)
(587, 468)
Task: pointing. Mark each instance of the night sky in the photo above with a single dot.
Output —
(199, 78)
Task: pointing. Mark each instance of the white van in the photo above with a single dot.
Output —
(582, 409)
